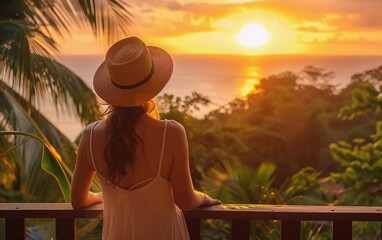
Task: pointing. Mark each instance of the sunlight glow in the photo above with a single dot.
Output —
(253, 35)
(248, 86)
(250, 83)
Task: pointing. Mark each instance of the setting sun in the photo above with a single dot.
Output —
(253, 35)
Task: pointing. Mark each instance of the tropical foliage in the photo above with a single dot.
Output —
(288, 120)
(361, 159)
(31, 79)
(237, 183)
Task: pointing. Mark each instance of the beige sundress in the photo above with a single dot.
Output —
(144, 213)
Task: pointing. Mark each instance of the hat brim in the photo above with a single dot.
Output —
(106, 90)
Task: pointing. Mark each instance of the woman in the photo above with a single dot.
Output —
(141, 162)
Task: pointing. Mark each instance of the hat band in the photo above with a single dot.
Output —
(135, 85)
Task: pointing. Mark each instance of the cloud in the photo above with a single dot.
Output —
(314, 27)
(199, 16)
(175, 6)
(338, 40)
(189, 24)
(295, 7)
(366, 21)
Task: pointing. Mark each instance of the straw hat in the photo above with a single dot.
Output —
(132, 73)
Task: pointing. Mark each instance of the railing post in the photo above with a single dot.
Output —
(290, 230)
(193, 226)
(240, 229)
(342, 230)
(15, 228)
(65, 228)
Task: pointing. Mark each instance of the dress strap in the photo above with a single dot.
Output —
(163, 144)
(91, 145)
(140, 183)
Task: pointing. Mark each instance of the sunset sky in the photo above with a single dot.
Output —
(212, 27)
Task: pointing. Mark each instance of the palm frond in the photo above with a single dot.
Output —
(7, 151)
(14, 116)
(48, 15)
(66, 90)
(106, 17)
(18, 115)
(31, 175)
(110, 18)
(37, 78)
(26, 47)
(238, 183)
(51, 162)
(15, 54)
(17, 43)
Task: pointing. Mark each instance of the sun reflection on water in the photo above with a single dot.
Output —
(251, 82)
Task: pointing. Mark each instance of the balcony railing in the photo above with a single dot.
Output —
(239, 214)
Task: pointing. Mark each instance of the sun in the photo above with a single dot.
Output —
(253, 35)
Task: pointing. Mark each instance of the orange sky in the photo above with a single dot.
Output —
(212, 26)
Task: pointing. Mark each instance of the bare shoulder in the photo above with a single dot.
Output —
(175, 125)
(88, 129)
(175, 129)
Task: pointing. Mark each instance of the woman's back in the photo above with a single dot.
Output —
(147, 155)
(143, 209)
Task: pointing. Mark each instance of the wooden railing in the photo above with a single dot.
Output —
(240, 216)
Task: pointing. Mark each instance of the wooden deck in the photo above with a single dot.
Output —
(239, 214)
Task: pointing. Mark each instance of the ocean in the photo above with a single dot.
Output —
(221, 77)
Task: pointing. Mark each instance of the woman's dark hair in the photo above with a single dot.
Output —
(122, 139)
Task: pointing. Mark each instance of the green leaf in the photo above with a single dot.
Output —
(51, 162)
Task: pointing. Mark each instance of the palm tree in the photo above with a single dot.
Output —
(31, 77)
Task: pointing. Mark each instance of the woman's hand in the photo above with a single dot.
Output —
(208, 201)
(90, 199)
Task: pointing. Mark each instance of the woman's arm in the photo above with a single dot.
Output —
(83, 176)
(180, 177)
